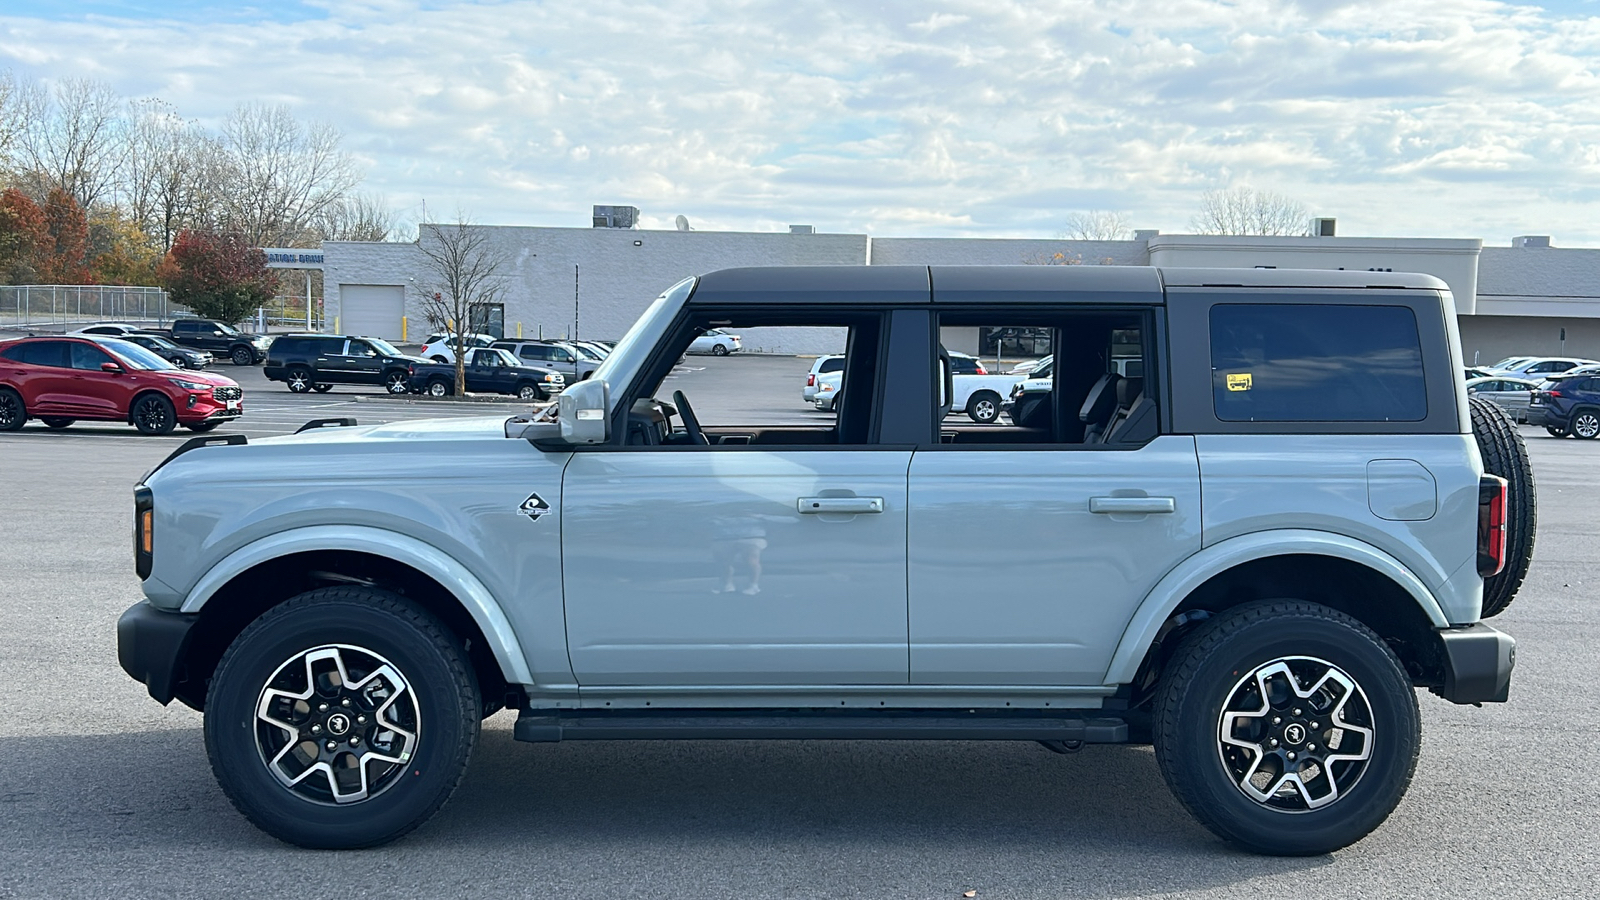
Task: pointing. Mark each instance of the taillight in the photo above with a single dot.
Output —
(982, 371)
(1491, 525)
(1552, 393)
(811, 380)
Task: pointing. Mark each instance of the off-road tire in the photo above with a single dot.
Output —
(1505, 454)
(433, 663)
(1205, 671)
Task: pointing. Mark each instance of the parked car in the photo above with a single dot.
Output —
(572, 363)
(1028, 365)
(977, 393)
(590, 350)
(113, 329)
(715, 341)
(1510, 394)
(60, 380)
(820, 366)
(1568, 406)
(441, 347)
(183, 357)
(1576, 370)
(305, 362)
(1544, 366)
(1471, 372)
(489, 370)
(219, 338)
(830, 388)
(1254, 566)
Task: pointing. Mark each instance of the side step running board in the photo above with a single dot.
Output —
(562, 725)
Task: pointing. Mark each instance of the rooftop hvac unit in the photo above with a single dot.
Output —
(1322, 227)
(616, 216)
(802, 229)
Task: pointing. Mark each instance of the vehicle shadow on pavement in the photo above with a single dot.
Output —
(730, 818)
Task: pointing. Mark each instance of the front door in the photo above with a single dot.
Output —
(715, 566)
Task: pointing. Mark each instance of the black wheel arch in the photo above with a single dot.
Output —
(252, 592)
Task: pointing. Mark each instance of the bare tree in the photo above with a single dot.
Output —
(1242, 210)
(1097, 225)
(172, 174)
(357, 217)
(283, 175)
(13, 113)
(72, 137)
(466, 271)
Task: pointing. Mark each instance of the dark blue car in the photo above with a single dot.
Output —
(491, 371)
(1568, 406)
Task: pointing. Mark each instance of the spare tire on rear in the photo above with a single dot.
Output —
(1504, 454)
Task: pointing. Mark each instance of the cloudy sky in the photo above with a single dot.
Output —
(1438, 118)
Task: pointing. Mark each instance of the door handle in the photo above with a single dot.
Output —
(814, 506)
(1141, 506)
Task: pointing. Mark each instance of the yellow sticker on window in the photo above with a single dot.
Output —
(1240, 382)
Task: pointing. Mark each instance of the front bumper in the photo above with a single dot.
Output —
(150, 646)
(1477, 664)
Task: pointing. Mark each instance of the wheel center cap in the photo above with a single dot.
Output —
(338, 724)
(1294, 733)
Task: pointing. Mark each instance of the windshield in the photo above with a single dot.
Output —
(1510, 361)
(225, 328)
(384, 347)
(134, 356)
(506, 359)
(586, 352)
(150, 340)
(628, 355)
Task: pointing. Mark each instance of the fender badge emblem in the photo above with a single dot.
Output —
(534, 507)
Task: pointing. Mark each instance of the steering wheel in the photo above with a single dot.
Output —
(691, 425)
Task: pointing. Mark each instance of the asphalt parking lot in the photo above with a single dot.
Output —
(104, 793)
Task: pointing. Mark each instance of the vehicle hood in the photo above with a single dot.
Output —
(201, 377)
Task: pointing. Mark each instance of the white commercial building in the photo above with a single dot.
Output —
(1529, 297)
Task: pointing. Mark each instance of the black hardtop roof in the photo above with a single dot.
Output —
(897, 285)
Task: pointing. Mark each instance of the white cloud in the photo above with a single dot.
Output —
(991, 117)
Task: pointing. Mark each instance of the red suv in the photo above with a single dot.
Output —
(59, 380)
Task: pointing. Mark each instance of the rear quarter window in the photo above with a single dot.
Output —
(832, 365)
(1316, 363)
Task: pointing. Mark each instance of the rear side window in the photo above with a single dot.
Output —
(1316, 363)
(40, 353)
(832, 365)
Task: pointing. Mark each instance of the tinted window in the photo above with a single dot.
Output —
(87, 356)
(832, 365)
(533, 353)
(287, 346)
(964, 365)
(41, 353)
(1316, 363)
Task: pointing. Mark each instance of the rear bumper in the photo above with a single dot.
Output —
(150, 644)
(1545, 416)
(1477, 664)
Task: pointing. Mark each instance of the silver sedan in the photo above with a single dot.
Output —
(1510, 394)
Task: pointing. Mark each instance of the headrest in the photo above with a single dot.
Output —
(1128, 390)
(1101, 400)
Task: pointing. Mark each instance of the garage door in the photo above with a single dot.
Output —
(372, 309)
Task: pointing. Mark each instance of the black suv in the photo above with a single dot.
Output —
(307, 362)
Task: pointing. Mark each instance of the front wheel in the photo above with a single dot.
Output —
(13, 414)
(397, 382)
(528, 392)
(243, 356)
(1586, 425)
(343, 718)
(153, 414)
(1287, 728)
(984, 407)
(322, 388)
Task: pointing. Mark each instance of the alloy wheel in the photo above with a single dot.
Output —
(10, 410)
(398, 383)
(985, 411)
(299, 382)
(438, 389)
(1586, 425)
(337, 724)
(528, 392)
(152, 416)
(1296, 734)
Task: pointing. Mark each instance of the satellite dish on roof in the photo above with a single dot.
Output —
(683, 223)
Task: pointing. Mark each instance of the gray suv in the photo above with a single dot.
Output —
(573, 363)
(1248, 557)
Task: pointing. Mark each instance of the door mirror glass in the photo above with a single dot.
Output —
(585, 412)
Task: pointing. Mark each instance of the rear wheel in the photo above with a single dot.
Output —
(13, 414)
(1505, 454)
(243, 356)
(343, 718)
(397, 382)
(54, 422)
(439, 359)
(438, 387)
(1555, 432)
(1287, 728)
(153, 414)
(1586, 424)
(299, 379)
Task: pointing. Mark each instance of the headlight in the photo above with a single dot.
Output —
(190, 385)
(555, 378)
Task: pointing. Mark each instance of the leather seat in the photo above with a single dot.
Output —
(1099, 406)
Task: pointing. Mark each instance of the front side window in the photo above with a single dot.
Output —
(88, 357)
(1316, 363)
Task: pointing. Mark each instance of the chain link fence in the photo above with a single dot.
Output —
(62, 307)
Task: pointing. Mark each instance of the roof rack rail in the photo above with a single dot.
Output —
(195, 443)
(344, 422)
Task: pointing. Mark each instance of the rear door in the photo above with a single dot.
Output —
(46, 378)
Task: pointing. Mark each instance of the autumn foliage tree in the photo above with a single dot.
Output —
(219, 276)
(67, 244)
(23, 236)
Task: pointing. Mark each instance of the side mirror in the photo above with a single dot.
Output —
(113, 368)
(585, 412)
